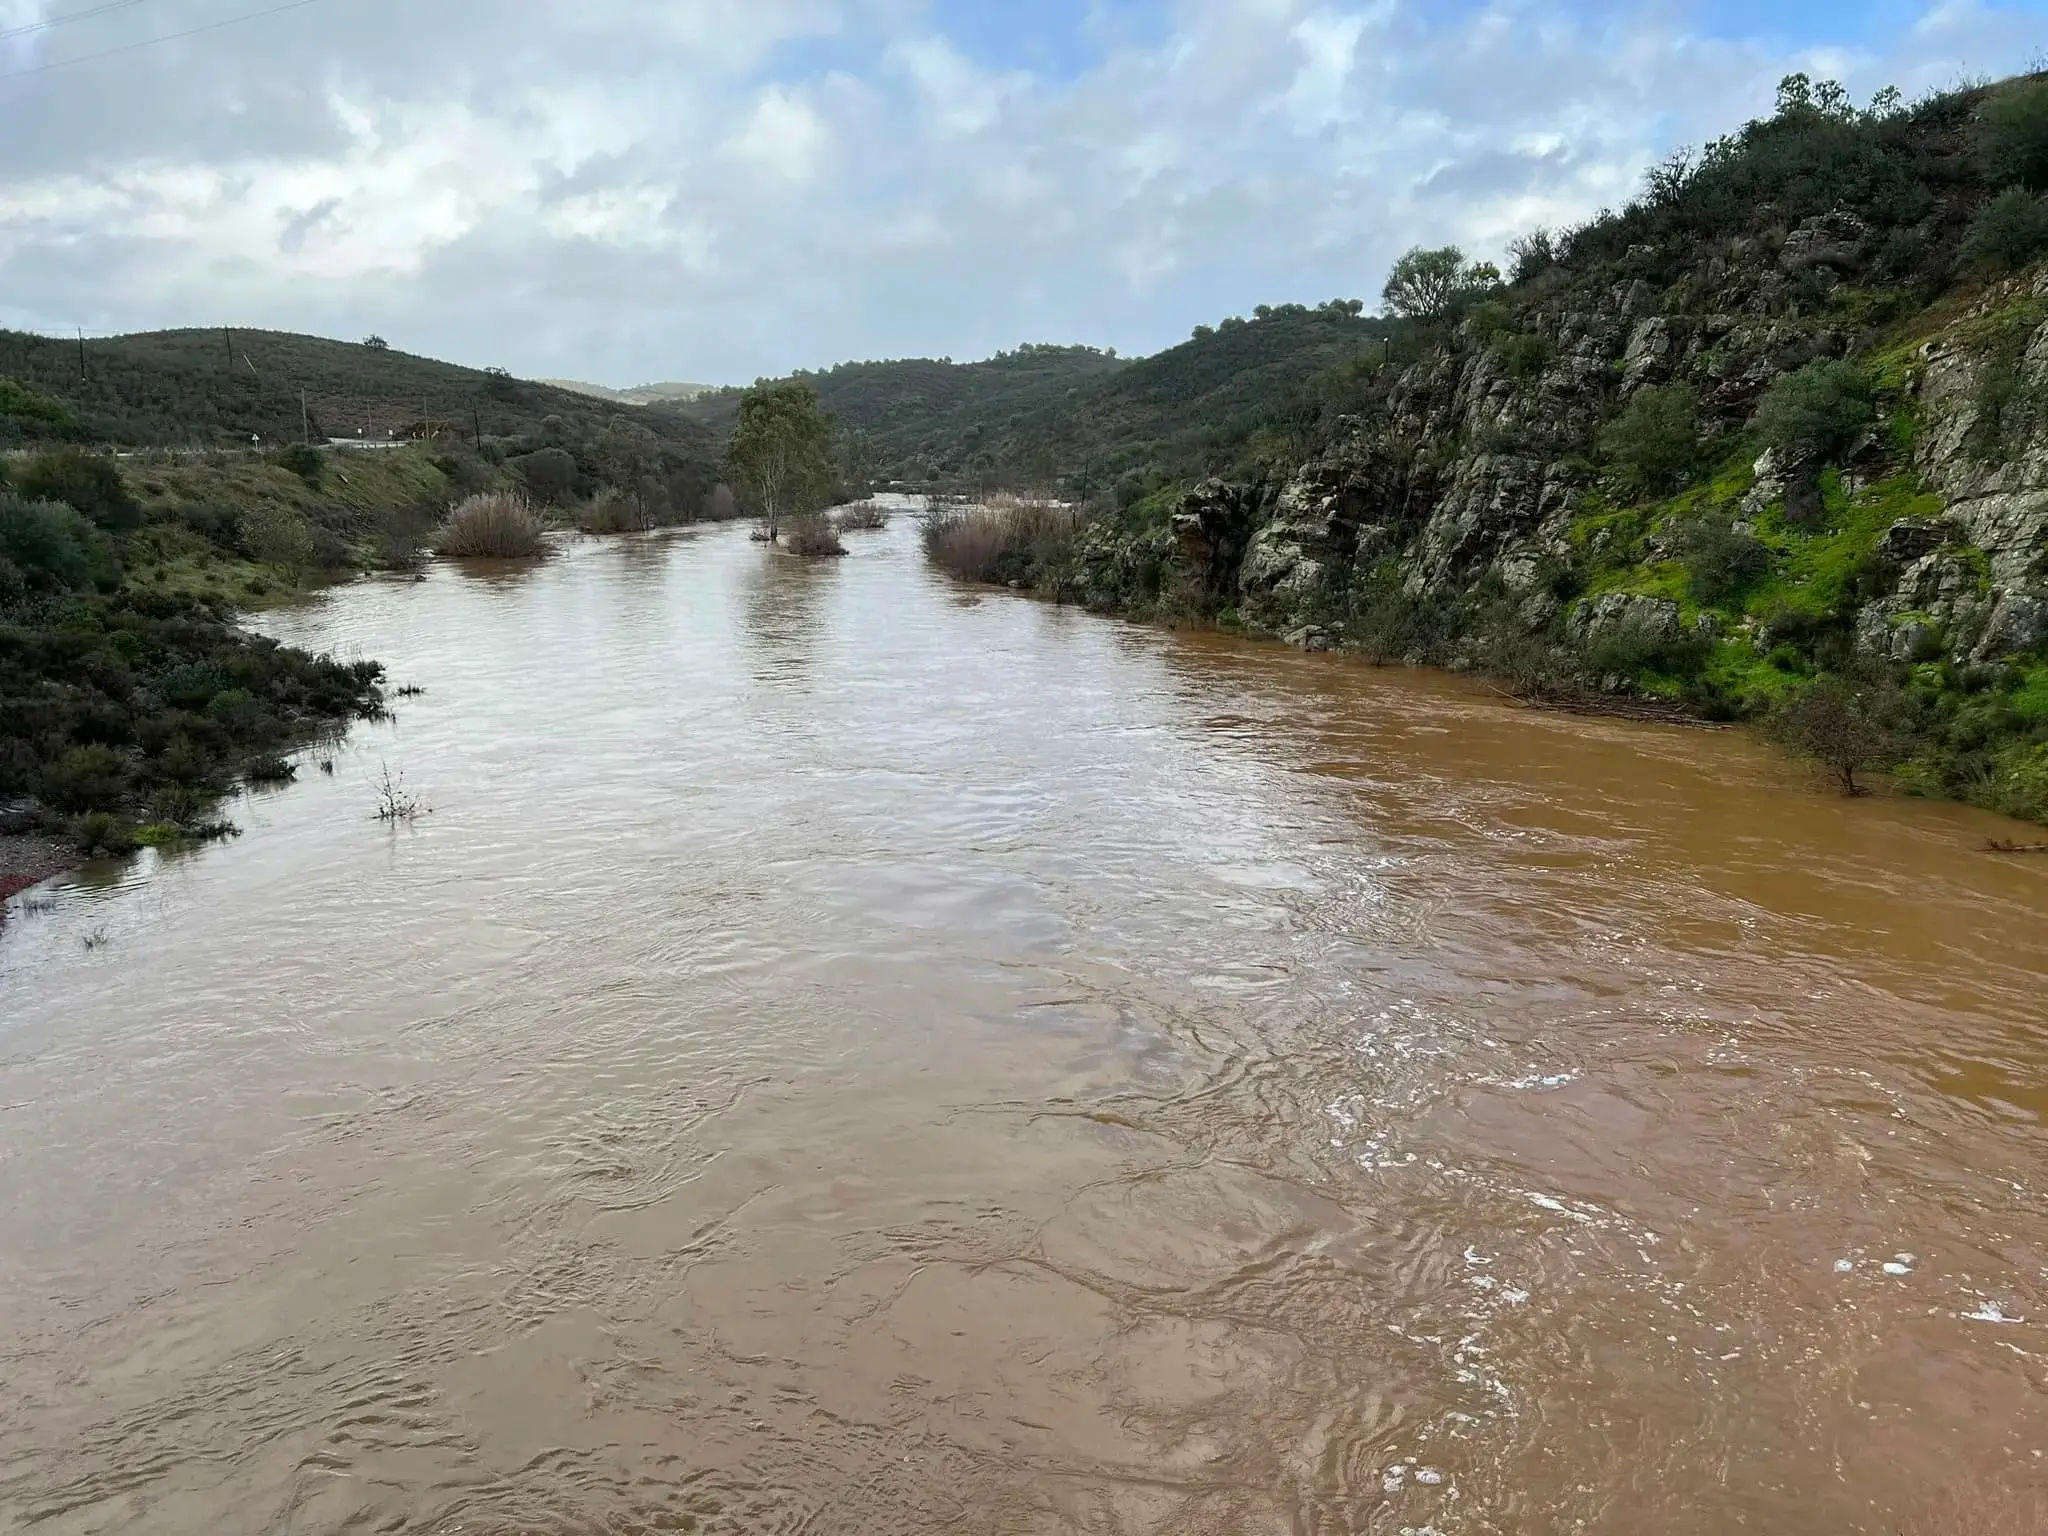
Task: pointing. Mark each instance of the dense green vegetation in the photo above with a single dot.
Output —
(1046, 415)
(125, 706)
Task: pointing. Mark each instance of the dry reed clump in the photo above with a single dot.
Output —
(862, 514)
(492, 524)
(611, 510)
(994, 541)
(812, 537)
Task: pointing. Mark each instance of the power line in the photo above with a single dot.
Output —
(58, 21)
(151, 42)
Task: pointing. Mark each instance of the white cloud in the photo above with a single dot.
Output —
(687, 188)
(782, 138)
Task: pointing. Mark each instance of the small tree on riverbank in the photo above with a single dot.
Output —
(1845, 724)
(781, 452)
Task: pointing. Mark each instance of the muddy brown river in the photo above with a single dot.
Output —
(849, 1054)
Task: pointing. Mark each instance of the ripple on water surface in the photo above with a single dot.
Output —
(851, 1054)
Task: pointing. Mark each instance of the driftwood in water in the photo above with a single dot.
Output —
(2004, 845)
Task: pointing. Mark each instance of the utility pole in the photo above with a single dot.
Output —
(81, 351)
(228, 337)
(305, 420)
(479, 415)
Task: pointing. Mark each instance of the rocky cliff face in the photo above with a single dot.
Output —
(1506, 499)
(1468, 517)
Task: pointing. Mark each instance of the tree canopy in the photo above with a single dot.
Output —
(781, 453)
(1430, 285)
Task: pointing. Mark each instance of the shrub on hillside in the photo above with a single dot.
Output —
(86, 778)
(549, 473)
(86, 481)
(1721, 561)
(1656, 439)
(53, 546)
(1531, 255)
(280, 536)
(495, 524)
(219, 525)
(303, 460)
(812, 535)
(1816, 412)
(26, 412)
(2008, 232)
(2012, 136)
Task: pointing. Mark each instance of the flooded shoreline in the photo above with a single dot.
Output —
(847, 1052)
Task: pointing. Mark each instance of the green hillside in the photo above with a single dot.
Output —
(221, 387)
(924, 418)
(1079, 414)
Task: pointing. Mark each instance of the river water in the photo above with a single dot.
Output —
(850, 1054)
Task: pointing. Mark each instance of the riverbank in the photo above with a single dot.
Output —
(1264, 561)
(27, 859)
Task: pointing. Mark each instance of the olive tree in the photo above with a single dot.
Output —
(781, 452)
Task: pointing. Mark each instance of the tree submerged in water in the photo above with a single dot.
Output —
(781, 453)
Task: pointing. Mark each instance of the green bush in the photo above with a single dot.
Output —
(26, 412)
(1656, 439)
(1525, 355)
(278, 535)
(103, 835)
(270, 769)
(87, 481)
(2012, 136)
(2008, 232)
(220, 526)
(241, 714)
(2019, 784)
(550, 473)
(303, 460)
(1721, 561)
(54, 546)
(190, 685)
(87, 778)
(1817, 411)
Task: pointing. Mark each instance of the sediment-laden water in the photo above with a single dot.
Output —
(847, 1054)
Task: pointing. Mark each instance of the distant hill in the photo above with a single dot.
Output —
(668, 392)
(926, 418)
(1075, 413)
(224, 386)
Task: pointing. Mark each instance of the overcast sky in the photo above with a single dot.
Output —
(625, 190)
